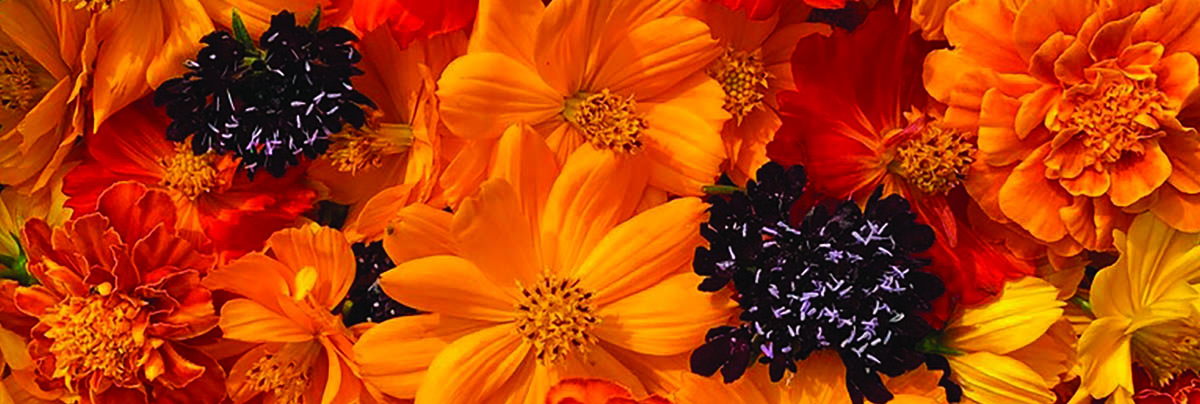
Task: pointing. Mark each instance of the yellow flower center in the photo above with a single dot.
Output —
(356, 149)
(1113, 117)
(19, 90)
(606, 120)
(284, 374)
(1168, 349)
(96, 334)
(744, 79)
(556, 316)
(936, 160)
(190, 174)
(93, 5)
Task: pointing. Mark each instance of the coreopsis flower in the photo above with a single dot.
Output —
(595, 391)
(1145, 308)
(414, 20)
(119, 298)
(844, 280)
(860, 120)
(630, 81)
(754, 66)
(1077, 107)
(286, 295)
(531, 282)
(42, 62)
(210, 195)
(268, 106)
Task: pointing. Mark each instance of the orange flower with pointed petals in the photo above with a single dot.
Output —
(860, 120)
(755, 65)
(287, 294)
(120, 296)
(595, 391)
(629, 80)
(1078, 107)
(414, 20)
(210, 195)
(543, 275)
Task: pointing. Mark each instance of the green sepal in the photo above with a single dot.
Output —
(932, 344)
(720, 189)
(314, 23)
(17, 267)
(241, 34)
(1082, 303)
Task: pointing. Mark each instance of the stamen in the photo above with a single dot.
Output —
(355, 149)
(1168, 349)
(606, 120)
(1112, 118)
(556, 316)
(286, 373)
(19, 91)
(936, 160)
(190, 174)
(93, 5)
(744, 78)
(96, 335)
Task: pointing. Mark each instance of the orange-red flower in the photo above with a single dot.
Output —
(209, 193)
(595, 391)
(1079, 111)
(860, 120)
(411, 20)
(120, 295)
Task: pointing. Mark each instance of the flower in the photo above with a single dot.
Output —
(755, 65)
(15, 209)
(414, 20)
(210, 198)
(859, 119)
(595, 391)
(629, 80)
(286, 295)
(366, 302)
(1184, 389)
(929, 16)
(42, 61)
(540, 277)
(1077, 107)
(118, 300)
(267, 106)
(1145, 311)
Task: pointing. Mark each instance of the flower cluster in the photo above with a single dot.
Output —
(599, 201)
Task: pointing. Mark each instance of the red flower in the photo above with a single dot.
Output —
(411, 20)
(861, 119)
(210, 194)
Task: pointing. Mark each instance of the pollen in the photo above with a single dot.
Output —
(19, 91)
(744, 78)
(1111, 118)
(284, 374)
(356, 149)
(935, 160)
(93, 5)
(556, 317)
(607, 120)
(96, 335)
(1168, 349)
(189, 174)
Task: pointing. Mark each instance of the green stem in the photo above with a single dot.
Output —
(1082, 303)
(721, 189)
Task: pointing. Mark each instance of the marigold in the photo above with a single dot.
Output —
(287, 295)
(1077, 106)
(120, 295)
(211, 196)
(627, 77)
(533, 281)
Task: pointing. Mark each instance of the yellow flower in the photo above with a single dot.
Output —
(627, 77)
(1145, 307)
(539, 277)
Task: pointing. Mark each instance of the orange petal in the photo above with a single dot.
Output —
(394, 355)
(418, 222)
(1184, 153)
(130, 38)
(524, 161)
(450, 285)
(493, 231)
(1032, 201)
(1039, 20)
(474, 367)
(668, 318)
(1178, 76)
(999, 141)
(1179, 209)
(186, 22)
(1033, 109)
(323, 249)
(31, 27)
(506, 27)
(470, 86)
(1089, 183)
(467, 170)
(656, 57)
(1133, 180)
(255, 276)
(245, 320)
(375, 217)
(981, 30)
(1171, 23)
(686, 151)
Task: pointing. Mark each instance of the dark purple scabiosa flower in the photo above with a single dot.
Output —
(366, 302)
(844, 279)
(270, 106)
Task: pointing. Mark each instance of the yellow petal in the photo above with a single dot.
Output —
(1022, 313)
(1104, 356)
(989, 378)
(666, 319)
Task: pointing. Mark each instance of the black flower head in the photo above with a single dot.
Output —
(269, 106)
(366, 301)
(845, 280)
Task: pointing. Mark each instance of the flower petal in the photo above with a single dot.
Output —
(449, 285)
(474, 367)
(246, 320)
(493, 231)
(393, 356)
(1021, 314)
(989, 378)
(1033, 201)
(418, 231)
(323, 249)
(656, 57)
(471, 85)
(668, 318)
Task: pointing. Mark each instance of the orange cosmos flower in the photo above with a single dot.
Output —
(860, 120)
(536, 279)
(286, 295)
(119, 297)
(595, 391)
(411, 20)
(43, 69)
(210, 195)
(1078, 110)
(755, 65)
(627, 77)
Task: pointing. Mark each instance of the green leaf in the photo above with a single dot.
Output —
(240, 33)
(314, 23)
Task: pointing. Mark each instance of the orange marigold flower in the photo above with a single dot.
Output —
(119, 298)
(287, 294)
(595, 391)
(211, 197)
(1078, 106)
(412, 20)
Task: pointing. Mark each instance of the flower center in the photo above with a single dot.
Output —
(744, 79)
(1167, 350)
(19, 91)
(285, 373)
(190, 174)
(936, 160)
(556, 316)
(607, 121)
(354, 149)
(96, 334)
(1113, 117)
(93, 5)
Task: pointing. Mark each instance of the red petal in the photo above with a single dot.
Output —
(756, 9)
